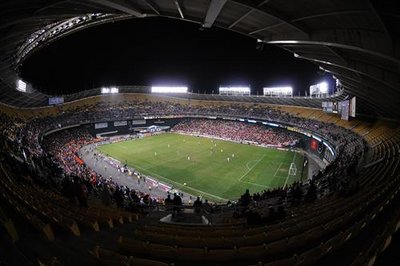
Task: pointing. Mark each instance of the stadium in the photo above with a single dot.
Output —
(168, 175)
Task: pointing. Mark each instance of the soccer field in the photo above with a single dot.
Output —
(203, 164)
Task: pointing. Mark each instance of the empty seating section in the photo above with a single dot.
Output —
(264, 243)
(311, 233)
(8, 225)
(42, 205)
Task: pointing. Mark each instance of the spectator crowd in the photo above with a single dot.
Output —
(24, 138)
(238, 131)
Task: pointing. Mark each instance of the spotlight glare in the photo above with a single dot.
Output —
(234, 90)
(278, 91)
(320, 88)
(112, 90)
(168, 89)
(21, 85)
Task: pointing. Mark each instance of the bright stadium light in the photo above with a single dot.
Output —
(168, 89)
(237, 89)
(21, 85)
(318, 89)
(278, 91)
(234, 90)
(106, 90)
(323, 87)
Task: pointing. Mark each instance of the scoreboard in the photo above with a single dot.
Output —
(56, 100)
(345, 108)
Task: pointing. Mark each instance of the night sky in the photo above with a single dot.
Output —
(161, 51)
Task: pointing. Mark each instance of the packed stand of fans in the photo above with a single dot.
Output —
(80, 181)
(9, 128)
(238, 131)
(30, 134)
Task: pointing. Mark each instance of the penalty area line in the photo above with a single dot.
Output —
(255, 184)
(247, 164)
(177, 183)
(294, 155)
(251, 168)
(279, 167)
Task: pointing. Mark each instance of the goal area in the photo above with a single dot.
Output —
(293, 169)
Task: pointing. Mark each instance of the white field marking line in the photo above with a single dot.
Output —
(251, 168)
(164, 161)
(171, 181)
(247, 164)
(279, 167)
(255, 184)
(177, 183)
(294, 155)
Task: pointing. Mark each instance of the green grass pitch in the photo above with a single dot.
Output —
(203, 164)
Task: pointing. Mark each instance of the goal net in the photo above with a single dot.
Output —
(292, 169)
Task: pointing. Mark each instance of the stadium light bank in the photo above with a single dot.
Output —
(111, 90)
(235, 90)
(168, 89)
(21, 85)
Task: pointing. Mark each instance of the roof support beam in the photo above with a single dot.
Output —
(213, 11)
(335, 13)
(350, 74)
(298, 52)
(240, 19)
(337, 45)
(263, 2)
(178, 6)
(152, 6)
(92, 6)
(373, 98)
(389, 85)
(123, 8)
(246, 14)
(336, 53)
(364, 101)
(375, 89)
(272, 13)
(266, 28)
(50, 5)
(380, 21)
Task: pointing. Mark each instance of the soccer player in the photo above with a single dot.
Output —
(155, 153)
(228, 159)
(188, 158)
(233, 155)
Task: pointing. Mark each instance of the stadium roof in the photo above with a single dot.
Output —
(356, 41)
